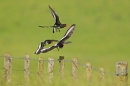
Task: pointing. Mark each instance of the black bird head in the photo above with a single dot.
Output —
(60, 46)
(63, 25)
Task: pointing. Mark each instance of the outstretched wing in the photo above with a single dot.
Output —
(45, 50)
(70, 31)
(40, 47)
(55, 16)
(42, 44)
(67, 35)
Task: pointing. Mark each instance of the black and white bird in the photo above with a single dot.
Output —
(61, 43)
(44, 43)
(58, 25)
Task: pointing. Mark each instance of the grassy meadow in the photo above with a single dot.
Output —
(101, 36)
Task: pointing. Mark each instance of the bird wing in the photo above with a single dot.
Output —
(45, 50)
(40, 47)
(67, 35)
(55, 16)
(70, 30)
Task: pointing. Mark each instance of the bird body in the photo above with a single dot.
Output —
(61, 43)
(57, 25)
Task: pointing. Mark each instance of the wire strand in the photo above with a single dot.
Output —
(80, 64)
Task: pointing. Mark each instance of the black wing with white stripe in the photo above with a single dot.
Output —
(67, 35)
(42, 44)
(40, 47)
(45, 50)
(55, 16)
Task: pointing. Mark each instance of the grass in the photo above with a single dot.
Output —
(101, 35)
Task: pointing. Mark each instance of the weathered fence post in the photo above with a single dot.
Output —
(101, 70)
(26, 67)
(121, 73)
(74, 68)
(40, 67)
(50, 68)
(89, 71)
(61, 68)
(7, 67)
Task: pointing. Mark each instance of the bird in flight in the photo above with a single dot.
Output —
(61, 43)
(58, 25)
(44, 43)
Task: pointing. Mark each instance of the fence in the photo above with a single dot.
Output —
(121, 71)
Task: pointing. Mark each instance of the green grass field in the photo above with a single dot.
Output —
(101, 36)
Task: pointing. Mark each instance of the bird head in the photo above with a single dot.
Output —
(61, 45)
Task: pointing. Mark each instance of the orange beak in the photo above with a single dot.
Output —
(66, 26)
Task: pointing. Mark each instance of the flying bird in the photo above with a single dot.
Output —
(44, 43)
(58, 25)
(61, 43)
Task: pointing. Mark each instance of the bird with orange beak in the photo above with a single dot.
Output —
(61, 43)
(58, 25)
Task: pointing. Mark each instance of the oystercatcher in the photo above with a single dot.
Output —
(61, 43)
(58, 25)
(44, 43)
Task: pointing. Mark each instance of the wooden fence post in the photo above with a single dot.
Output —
(74, 68)
(40, 67)
(50, 68)
(89, 71)
(101, 70)
(26, 67)
(121, 73)
(61, 68)
(7, 67)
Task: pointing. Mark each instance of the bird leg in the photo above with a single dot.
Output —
(59, 30)
(57, 48)
(56, 30)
